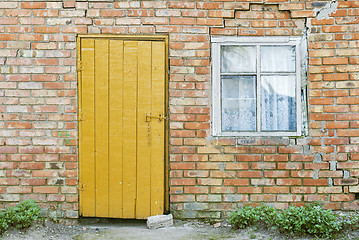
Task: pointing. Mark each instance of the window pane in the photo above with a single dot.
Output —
(278, 59)
(238, 59)
(238, 103)
(278, 104)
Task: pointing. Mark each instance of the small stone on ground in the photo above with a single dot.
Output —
(160, 221)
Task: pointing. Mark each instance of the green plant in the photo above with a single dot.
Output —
(248, 215)
(244, 217)
(3, 223)
(309, 219)
(23, 214)
(267, 214)
(20, 216)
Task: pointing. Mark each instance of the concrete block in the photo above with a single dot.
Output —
(160, 221)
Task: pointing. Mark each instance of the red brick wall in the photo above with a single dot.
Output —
(208, 176)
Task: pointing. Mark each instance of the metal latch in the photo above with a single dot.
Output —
(159, 117)
(82, 186)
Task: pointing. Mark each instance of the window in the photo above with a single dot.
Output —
(257, 88)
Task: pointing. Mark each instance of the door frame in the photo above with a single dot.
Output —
(162, 37)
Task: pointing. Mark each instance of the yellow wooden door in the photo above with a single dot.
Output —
(122, 127)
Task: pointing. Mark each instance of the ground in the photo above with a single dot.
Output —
(120, 229)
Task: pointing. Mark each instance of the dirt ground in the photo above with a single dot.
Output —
(124, 229)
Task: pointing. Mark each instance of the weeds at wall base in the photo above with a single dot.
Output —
(20, 216)
(311, 219)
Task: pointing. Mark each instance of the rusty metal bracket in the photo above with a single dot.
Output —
(159, 117)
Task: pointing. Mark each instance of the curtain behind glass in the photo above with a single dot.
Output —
(238, 103)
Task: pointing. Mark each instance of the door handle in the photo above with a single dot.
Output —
(159, 117)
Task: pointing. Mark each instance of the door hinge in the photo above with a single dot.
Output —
(82, 186)
(79, 65)
(80, 116)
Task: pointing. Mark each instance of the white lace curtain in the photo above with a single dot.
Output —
(277, 88)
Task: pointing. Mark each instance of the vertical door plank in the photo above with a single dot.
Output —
(129, 128)
(87, 128)
(101, 126)
(143, 199)
(115, 128)
(157, 128)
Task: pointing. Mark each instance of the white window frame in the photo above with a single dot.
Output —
(217, 42)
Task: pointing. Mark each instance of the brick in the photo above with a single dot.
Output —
(236, 5)
(44, 173)
(305, 190)
(349, 181)
(69, 4)
(262, 182)
(9, 181)
(196, 190)
(276, 174)
(56, 198)
(159, 4)
(236, 22)
(223, 189)
(183, 181)
(315, 182)
(262, 197)
(289, 182)
(246, 158)
(209, 181)
(265, 23)
(137, 13)
(275, 158)
(8, 21)
(235, 182)
(183, 165)
(18, 125)
(45, 189)
(289, 198)
(235, 198)
(33, 182)
(31, 150)
(263, 149)
(347, 133)
(18, 189)
(8, 5)
(330, 190)
(249, 174)
(236, 149)
(290, 165)
(249, 15)
(342, 197)
(351, 205)
(291, 6)
(18, 13)
(33, 5)
(179, 4)
(46, 29)
(196, 173)
(347, 100)
(213, 5)
(290, 149)
(301, 14)
(25, 165)
(72, 13)
(276, 189)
